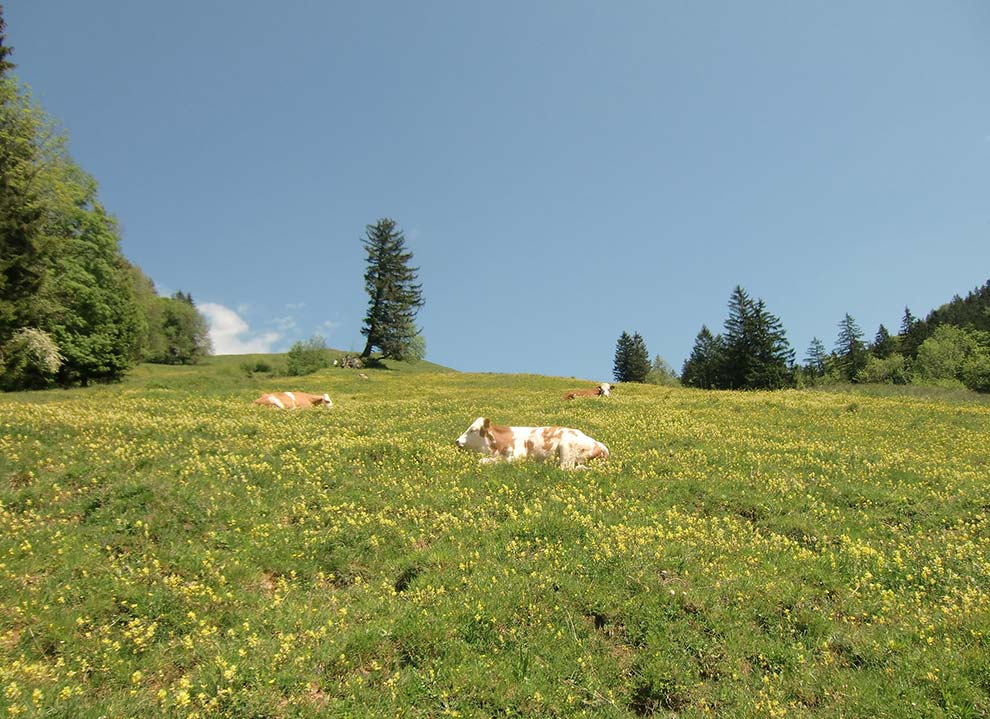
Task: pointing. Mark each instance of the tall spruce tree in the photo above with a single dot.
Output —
(394, 295)
(620, 362)
(816, 360)
(738, 354)
(632, 360)
(639, 360)
(702, 368)
(883, 344)
(850, 352)
(772, 359)
(912, 334)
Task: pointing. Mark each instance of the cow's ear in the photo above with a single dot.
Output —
(486, 424)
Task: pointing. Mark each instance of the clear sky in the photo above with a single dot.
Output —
(563, 171)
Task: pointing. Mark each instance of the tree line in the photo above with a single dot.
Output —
(73, 310)
(950, 347)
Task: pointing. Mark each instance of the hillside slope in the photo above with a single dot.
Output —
(168, 547)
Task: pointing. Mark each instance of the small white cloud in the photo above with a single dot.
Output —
(231, 335)
(327, 326)
(285, 324)
(293, 306)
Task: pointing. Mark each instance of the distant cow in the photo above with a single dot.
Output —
(571, 448)
(294, 400)
(601, 390)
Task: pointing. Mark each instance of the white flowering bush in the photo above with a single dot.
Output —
(30, 360)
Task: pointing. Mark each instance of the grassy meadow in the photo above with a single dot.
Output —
(169, 549)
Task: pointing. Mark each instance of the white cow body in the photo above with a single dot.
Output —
(571, 448)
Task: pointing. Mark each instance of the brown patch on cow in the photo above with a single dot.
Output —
(500, 437)
(549, 435)
(596, 392)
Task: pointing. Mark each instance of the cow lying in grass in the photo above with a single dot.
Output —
(601, 390)
(571, 448)
(294, 400)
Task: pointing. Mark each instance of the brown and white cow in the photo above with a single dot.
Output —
(571, 448)
(602, 390)
(294, 400)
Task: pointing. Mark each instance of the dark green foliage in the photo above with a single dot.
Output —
(394, 295)
(972, 312)
(5, 64)
(770, 367)
(620, 362)
(816, 361)
(24, 249)
(182, 330)
(306, 357)
(883, 344)
(61, 269)
(632, 360)
(969, 312)
(703, 367)
(173, 330)
(756, 353)
(95, 320)
(850, 352)
(913, 333)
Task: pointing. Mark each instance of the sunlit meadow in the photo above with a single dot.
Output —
(167, 548)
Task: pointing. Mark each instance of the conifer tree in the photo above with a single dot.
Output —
(620, 363)
(738, 353)
(913, 333)
(632, 360)
(772, 356)
(639, 360)
(883, 344)
(702, 368)
(394, 295)
(816, 361)
(850, 352)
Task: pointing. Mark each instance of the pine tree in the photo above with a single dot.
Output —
(394, 295)
(639, 360)
(620, 364)
(772, 356)
(632, 360)
(913, 333)
(702, 368)
(850, 352)
(816, 361)
(739, 350)
(883, 344)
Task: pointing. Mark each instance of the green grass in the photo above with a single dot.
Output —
(166, 547)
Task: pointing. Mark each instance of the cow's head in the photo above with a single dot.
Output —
(604, 389)
(476, 437)
(323, 401)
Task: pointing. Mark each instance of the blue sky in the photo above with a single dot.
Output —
(563, 171)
